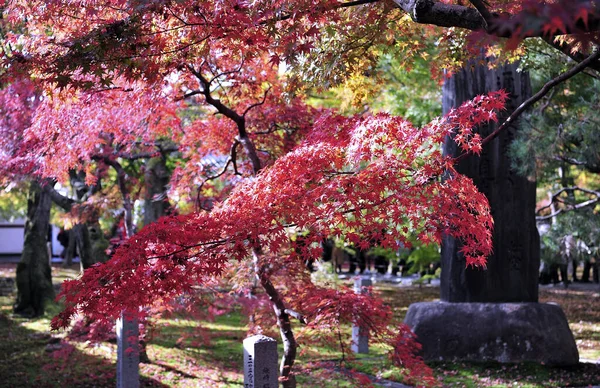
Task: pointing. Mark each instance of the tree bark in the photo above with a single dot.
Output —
(156, 203)
(512, 269)
(283, 321)
(34, 279)
(157, 177)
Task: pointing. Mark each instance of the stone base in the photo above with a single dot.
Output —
(503, 332)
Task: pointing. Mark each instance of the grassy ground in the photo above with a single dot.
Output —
(29, 356)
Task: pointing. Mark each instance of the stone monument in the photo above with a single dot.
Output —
(360, 335)
(260, 362)
(128, 352)
(493, 314)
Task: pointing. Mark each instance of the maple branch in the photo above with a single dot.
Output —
(441, 14)
(233, 157)
(221, 108)
(122, 184)
(296, 315)
(238, 119)
(258, 103)
(570, 208)
(570, 51)
(148, 154)
(283, 321)
(535, 98)
(337, 6)
(224, 73)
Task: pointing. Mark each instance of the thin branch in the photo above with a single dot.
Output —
(296, 315)
(569, 51)
(570, 208)
(535, 98)
(555, 198)
(238, 119)
(572, 161)
(224, 73)
(546, 104)
(233, 157)
(272, 128)
(190, 94)
(337, 6)
(147, 155)
(221, 108)
(258, 103)
(231, 160)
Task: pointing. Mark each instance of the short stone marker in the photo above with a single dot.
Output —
(260, 362)
(7, 286)
(360, 336)
(128, 353)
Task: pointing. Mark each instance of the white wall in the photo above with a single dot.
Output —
(12, 238)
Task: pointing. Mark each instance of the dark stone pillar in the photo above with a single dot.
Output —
(512, 270)
(503, 325)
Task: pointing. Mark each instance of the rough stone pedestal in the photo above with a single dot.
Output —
(503, 332)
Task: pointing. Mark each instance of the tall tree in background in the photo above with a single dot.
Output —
(34, 280)
(18, 101)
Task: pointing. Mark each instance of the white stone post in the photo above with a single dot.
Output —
(360, 336)
(260, 362)
(128, 352)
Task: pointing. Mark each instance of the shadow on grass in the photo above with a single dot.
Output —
(25, 362)
(487, 374)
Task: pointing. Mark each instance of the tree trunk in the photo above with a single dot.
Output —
(157, 177)
(156, 203)
(512, 269)
(290, 345)
(34, 279)
(81, 236)
(70, 250)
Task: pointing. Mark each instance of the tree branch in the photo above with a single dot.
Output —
(221, 108)
(555, 198)
(296, 315)
(441, 14)
(535, 98)
(480, 6)
(570, 208)
(451, 15)
(567, 49)
(238, 119)
(64, 202)
(147, 155)
(258, 103)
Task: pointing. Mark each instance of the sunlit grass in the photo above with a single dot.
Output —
(189, 353)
